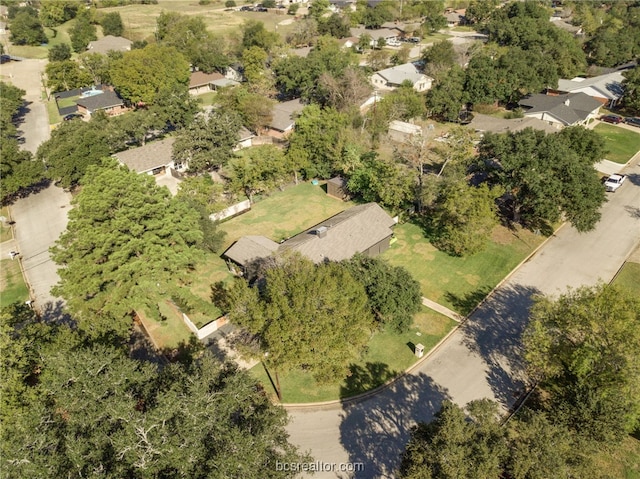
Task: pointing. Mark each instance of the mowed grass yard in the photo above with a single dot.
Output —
(12, 286)
(620, 143)
(459, 283)
(284, 213)
(5, 229)
(629, 277)
(140, 20)
(388, 354)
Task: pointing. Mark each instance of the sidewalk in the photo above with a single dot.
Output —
(442, 309)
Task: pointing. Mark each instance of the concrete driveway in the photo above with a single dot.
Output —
(482, 358)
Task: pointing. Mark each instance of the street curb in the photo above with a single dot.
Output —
(360, 397)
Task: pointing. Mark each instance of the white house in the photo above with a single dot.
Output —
(607, 88)
(392, 78)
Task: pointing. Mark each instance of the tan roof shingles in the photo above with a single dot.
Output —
(145, 158)
(249, 248)
(198, 79)
(353, 231)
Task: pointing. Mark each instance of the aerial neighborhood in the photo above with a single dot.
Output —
(320, 238)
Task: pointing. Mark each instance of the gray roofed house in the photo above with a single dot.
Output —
(361, 229)
(566, 110)
(283, 117)
(110, 43)
(606, 88)
(154, 157)
(107, 100)
(250, 248)
(391, 78)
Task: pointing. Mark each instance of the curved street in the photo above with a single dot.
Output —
(482, 358)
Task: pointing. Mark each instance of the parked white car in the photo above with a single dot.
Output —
(614, 182)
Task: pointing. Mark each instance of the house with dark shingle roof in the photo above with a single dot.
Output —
(566, 110)
(110, 43)
(365, 229)
(106, 100)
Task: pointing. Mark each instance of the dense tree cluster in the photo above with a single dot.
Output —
(26, 28)
(189, 36)
(126, 241)
(141, 75)
(82, 32)
(72, 407)
(583, 350)
(306, 316)
(531, 167)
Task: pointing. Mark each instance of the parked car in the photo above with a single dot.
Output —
(615, 119)
(72, 116)
(413, 39)
(634, 120)
(614, 182)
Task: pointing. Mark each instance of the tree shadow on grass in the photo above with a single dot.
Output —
(494, 332)
(365, 378)
(374, 431)
(465, 303)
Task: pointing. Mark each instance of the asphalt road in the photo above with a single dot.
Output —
(42, 216)
(482, 358)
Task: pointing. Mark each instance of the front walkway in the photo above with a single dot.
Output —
(442, 309)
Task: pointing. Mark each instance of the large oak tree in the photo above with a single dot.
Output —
(126, 241)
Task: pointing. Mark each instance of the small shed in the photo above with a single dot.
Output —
(337, 187)
(401, 131)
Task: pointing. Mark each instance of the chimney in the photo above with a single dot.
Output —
(321, 232)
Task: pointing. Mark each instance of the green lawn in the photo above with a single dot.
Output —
(56, 36)
(206, 99)
(629, 277)
(622, 462)
(388, 354)
(52, 112)
(621, 143)
(12, 286)
(284, 213)
(459, 283)
(5, 230)
(168, 333)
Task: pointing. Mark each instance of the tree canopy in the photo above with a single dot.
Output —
(585, 348)
(189, 35)
(26, 29)
(82, 32)
(631, 98)
(532, 168)
(394, 296)
(112, 24)
(139, 75)
(208, 141)
(72, 407)
(126, 241)
(306, 316)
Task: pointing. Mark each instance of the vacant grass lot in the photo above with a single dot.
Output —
(140, 20)
(629, 277)
(459, 283)
(284, 214)
(12, 286)
(168, 333)
(388, 354)
(56, 36)
(620, 143)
